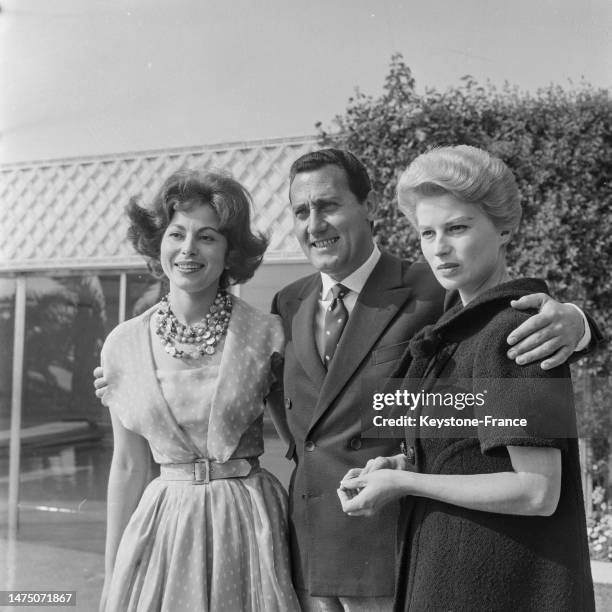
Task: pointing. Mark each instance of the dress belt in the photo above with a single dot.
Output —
(202, 471)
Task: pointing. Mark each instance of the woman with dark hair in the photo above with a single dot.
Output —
(492, 510)
(187, 381)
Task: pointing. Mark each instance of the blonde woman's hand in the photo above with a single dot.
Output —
(366, 494)
(397, 462)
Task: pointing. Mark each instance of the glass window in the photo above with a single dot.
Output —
(66, 438)
(143, 291)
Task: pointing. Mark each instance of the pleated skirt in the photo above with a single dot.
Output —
(209, 547)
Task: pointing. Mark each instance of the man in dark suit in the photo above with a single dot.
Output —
(341, 342)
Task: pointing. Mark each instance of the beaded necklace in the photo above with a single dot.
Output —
(198, 339)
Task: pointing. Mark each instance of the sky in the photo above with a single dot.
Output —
(86, 77)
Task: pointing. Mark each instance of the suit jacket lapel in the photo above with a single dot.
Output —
(381, 298)
(303, 332)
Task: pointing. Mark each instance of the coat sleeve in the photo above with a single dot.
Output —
(598, 340)
(538, 402)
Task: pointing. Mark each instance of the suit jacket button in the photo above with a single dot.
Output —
(309, 446)
(410, 454)
(287, 403)
(355, 443)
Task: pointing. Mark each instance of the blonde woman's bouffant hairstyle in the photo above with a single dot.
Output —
(467, 173)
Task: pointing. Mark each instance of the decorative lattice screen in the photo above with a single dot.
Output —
(69, 213)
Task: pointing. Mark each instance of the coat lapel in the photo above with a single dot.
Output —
(382, 297)
(303, 332)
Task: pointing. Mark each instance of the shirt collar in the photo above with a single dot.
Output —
(354, 281)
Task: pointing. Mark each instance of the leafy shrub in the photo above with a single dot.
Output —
(558, 143)
(599, 527)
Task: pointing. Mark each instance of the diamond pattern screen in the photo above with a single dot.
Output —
(69, 213)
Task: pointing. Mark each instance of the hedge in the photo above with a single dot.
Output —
(558, 142)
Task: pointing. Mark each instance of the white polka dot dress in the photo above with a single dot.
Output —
(211, 547)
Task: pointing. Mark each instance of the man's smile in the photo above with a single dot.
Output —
(322, 244)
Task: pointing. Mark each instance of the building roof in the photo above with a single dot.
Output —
(69, 213)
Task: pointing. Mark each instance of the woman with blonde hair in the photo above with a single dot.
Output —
(492, 510)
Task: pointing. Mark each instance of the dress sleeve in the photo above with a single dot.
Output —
(521, 405)
(112, 374)
(122, 393)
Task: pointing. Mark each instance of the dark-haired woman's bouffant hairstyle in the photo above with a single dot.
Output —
(184, 189)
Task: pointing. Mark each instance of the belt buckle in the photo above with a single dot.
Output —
(201, 471)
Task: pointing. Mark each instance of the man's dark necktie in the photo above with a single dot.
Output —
(335, 321)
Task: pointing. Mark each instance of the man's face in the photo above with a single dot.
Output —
(331, 225)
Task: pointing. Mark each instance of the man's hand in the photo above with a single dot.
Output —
(552, 334)
(100, 383)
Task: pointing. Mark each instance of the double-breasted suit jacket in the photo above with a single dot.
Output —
(332, 553)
